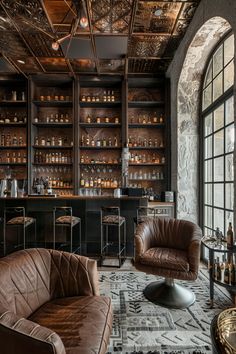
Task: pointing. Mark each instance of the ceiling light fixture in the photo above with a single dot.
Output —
(56, 44)
(20, 61)
(81, 20)
(157, 12)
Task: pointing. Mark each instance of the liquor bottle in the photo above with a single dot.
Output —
(82, 182)
(230, 236)
(226, 273)
(115, 141)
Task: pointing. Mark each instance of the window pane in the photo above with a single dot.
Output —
(207, 96)
(219, 169)
(208, 124)
(229, 110)
(229, 195)
(229, 138)
(218, 61)
(229, 168)
(217, 87)
(219, 143)
(208, 217)
(219, 195)
(228, 76)
(219, 219)
(208, 147)
(219, 117)
(228, 49)
(208, 171)
(208, 194)
(208, 77)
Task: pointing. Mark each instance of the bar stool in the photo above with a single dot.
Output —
(15, 216)
(62, 216)
(112, 247)
(142, 213)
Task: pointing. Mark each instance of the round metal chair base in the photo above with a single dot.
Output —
(169, 295)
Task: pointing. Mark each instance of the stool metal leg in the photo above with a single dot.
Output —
(54, 230)
(4, 234)
(71, 237)
(80, 236)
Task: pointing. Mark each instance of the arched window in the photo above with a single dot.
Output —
(218, 138)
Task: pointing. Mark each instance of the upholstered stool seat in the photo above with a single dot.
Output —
(21, 220)
(113, 219)
(62, 216)
(112, 245)
(15, 216)
(68, 220)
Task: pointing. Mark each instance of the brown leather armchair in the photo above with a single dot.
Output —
(169, 248)
(50, 304)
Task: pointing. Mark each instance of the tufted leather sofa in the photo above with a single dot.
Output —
(50, 304)
(169, 248)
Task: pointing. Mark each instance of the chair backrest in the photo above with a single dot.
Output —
(25, 280)
(171, 233)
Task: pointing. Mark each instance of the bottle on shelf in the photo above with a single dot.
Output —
(230, 236)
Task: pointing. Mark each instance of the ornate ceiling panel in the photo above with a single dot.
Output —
(156, 17)
(54, 65)
(150, 66)
(112, 66)
(34, 32)
(83, 66)
(147, 46)
(111, 16)
(27, 14)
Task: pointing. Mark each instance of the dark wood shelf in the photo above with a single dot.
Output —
(144, 104)
(99, 164)
(56, 147)
(146, 179)
(146, 148)
(13, 124)
(53, 103)
(100, 147)
(51, 164)
(147, 125)
(13, 163)
(100, 104)
(53, 125)
(147, 164)
(8, 103)
(13, 147)
(100, 125)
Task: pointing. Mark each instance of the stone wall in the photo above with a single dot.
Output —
(211, 21)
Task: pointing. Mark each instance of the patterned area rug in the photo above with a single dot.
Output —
(140, 327)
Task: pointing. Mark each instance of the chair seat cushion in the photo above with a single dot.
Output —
(113, 219)
(67, 219)
(82, 322)
(168, 258)
(21, 220)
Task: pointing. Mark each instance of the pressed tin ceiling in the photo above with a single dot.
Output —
(122, 36)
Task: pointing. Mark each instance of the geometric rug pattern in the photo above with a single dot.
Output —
(145, 328)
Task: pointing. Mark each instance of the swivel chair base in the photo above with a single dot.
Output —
(169, 294)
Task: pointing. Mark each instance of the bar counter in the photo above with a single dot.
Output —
(85, 207)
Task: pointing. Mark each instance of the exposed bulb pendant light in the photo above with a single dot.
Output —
(82, 14)
(83, 21)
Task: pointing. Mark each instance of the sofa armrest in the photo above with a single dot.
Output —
(73, 275)
(142, 238)
(194, 249)
(21, 336)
